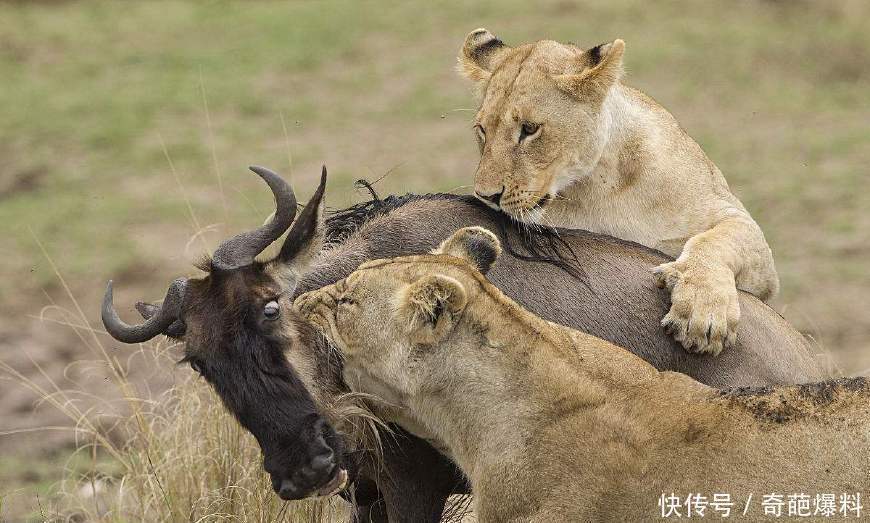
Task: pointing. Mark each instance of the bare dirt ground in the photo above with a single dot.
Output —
(99, 97)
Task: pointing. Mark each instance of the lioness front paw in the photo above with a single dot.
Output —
(704, 310)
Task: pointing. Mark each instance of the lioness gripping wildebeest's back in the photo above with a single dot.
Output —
(564, 143)
(552, 424)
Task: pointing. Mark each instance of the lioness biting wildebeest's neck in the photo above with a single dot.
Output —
(552, 424)
(564, 143)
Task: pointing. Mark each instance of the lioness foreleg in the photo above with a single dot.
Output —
(704, 280)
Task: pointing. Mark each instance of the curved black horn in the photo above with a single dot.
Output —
(154, 325)
(240, 251)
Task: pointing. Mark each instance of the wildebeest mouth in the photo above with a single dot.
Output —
(333, 487)
(336, 485)
(324, 474)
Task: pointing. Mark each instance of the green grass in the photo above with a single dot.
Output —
(775, 92)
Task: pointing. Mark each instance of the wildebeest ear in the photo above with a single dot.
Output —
(146, 310)
(175, 330)
(432, 306)
(476, 245)
(597, 69)
(479, 54)
(305, 238)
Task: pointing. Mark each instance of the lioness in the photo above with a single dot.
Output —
(551, 424)
(564, 143)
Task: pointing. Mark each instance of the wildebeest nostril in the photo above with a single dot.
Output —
(317, 469)
(287, 489)
(323, 463)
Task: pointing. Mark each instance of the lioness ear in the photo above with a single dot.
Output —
(478, 55)
(432, 306)
(476, 245)
(599, 68)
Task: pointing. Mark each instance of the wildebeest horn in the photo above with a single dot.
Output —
(156, 324)
(240, 250)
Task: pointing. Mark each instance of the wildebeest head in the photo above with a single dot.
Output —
(237, 324)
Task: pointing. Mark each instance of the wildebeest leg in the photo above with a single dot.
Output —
(374, 513)
(414, 480)
(370, 506)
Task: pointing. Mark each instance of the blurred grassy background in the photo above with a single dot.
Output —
(98, 97)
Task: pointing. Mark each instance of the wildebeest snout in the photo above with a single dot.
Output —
(315, 471)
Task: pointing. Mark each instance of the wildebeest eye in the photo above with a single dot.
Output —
(528, 129)
(195, 366)
(271, 310)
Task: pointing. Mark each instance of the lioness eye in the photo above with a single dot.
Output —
(346, 300)
(271, 310)
(528, 129)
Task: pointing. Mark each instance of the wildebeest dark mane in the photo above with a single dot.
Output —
(530, 243)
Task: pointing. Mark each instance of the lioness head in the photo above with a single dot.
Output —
(388, 314)
(540, 126)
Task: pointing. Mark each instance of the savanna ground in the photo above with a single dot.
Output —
(126, 128)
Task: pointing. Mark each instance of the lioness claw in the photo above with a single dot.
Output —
(704, 311)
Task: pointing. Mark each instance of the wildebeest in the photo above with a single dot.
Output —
(276, 374)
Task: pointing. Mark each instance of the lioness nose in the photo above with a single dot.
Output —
(495, 198)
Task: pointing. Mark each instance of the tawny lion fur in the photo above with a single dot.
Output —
(566, 144)
(551, 424)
